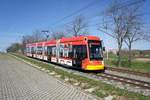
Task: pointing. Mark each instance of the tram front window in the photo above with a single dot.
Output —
(95, 51)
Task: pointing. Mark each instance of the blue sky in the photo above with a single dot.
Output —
(22, 17)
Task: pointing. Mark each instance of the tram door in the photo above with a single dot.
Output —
(49, 52)
(79, 53)
(32, 51)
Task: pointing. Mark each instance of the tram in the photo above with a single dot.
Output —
(85, 52)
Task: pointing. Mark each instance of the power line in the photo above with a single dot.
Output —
(131, 3)
(91, 4)
(77, 11)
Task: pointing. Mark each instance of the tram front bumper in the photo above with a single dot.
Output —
(95, 67)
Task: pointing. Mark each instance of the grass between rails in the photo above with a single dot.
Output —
(101, 89)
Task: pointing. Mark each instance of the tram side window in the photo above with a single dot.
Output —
(65, 52)
(61, 52)
(27, 49)
(39, 50)
(32, 50)
(49, 50)
(35, 50)
(45, 50)
(80, 51)
(84, 52)
(70, 53)
(54, 51)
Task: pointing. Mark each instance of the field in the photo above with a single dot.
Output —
(139, 64)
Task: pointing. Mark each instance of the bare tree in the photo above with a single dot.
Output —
(131, 37)
(78, 26)
(134, 28)
(125, 24)
(57, 35)
(114, 21)
(146, 36)
(27, 39)
(15, 47)
(37, 36)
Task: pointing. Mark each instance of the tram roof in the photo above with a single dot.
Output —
(79, 38)
(62, 40)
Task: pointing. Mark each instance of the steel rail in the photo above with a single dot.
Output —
(129, 71)
(142, 84)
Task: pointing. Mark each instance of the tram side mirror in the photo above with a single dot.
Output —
(103, 48)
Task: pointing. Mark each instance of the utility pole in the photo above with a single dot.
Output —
(46, 33)
(107, 54)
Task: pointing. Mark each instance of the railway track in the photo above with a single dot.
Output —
(134, 82)
(129, 71)
(117, 78)
(124, 80)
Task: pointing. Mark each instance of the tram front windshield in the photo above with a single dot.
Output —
(95, 51)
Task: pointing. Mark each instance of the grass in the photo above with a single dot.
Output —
(135, 65)
(101, 89)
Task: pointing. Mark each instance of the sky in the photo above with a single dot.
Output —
(22, 17)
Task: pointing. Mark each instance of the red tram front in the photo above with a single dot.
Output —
(85, 52)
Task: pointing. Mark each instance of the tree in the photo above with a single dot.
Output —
(125, 23)
(134, 30)
(146, 36)
(15, 47)
(114, 21)
(132, 37)
(134, 27)
(38, 36)
(78, 26)
(57, 35)
(25, 40)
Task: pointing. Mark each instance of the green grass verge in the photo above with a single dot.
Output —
(135, 65)
(101, 89)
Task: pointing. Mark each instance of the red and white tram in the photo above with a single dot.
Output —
(85, 52)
